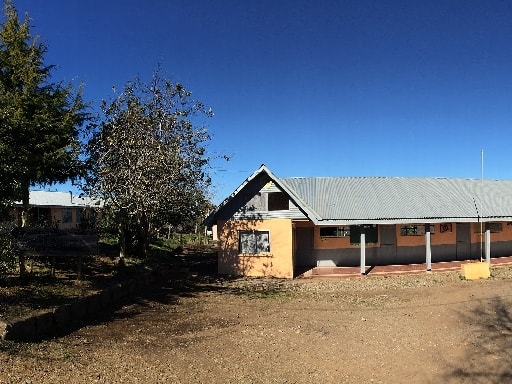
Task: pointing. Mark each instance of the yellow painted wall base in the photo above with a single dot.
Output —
(474, 271)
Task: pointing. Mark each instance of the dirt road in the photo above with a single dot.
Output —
(429, 328)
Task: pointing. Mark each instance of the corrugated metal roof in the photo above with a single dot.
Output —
(494, 198)
(395, 199)
(59, 199)
(392, 200)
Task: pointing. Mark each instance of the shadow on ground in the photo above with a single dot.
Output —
(184, 275)
(489, 356)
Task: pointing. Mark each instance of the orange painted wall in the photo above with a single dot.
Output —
(56, 216)
(408, 241)
(335, 242)
(277, 263)
(447, 237)
(504, 235)
(436, 238)
(477, 236)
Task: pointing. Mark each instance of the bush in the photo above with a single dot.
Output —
(8, 254)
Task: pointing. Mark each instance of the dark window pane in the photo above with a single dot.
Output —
(328, 231)
(371, 233)
(67, 215)
(278, 201)
(495, 227)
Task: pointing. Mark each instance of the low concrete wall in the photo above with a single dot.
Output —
(48, 322)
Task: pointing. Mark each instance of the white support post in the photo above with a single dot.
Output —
(488, 246)
(363, 254)
(428, 249)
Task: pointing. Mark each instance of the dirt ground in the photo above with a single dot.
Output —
(427, 328)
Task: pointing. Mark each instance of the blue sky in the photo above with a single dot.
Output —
(309, 88)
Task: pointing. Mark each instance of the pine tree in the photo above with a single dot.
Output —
(40, 121)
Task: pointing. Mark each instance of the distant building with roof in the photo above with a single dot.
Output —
(61, 210)
(271, 226)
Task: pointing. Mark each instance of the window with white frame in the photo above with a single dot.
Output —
(414, 229)
(253, 242)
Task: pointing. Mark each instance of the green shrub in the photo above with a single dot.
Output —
(8, 254)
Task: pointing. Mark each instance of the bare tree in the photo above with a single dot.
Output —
(148, 158)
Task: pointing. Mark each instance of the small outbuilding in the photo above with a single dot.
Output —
(271, 226)
(61, 210)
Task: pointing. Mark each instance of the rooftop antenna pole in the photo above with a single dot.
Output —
(481, 208)
(482, 178)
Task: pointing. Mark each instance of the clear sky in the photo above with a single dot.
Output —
(310, 88)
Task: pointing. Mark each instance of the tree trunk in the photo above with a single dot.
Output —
(24, 224)
(122, 236)
(25, 203)
(79, 268)
(144, 233)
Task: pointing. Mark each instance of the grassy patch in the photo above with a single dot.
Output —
(272, 294)
(11, 347)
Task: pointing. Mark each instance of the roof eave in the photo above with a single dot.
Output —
(394, 221)
(313, 216)
(210, 219)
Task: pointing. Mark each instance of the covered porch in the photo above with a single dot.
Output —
(390, 270)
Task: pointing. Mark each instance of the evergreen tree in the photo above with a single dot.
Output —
(40, 121)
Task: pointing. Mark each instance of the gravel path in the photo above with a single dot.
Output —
(426, 328)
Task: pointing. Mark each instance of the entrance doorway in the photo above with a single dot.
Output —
(463, 241)
(388, 253)
(304, 248)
